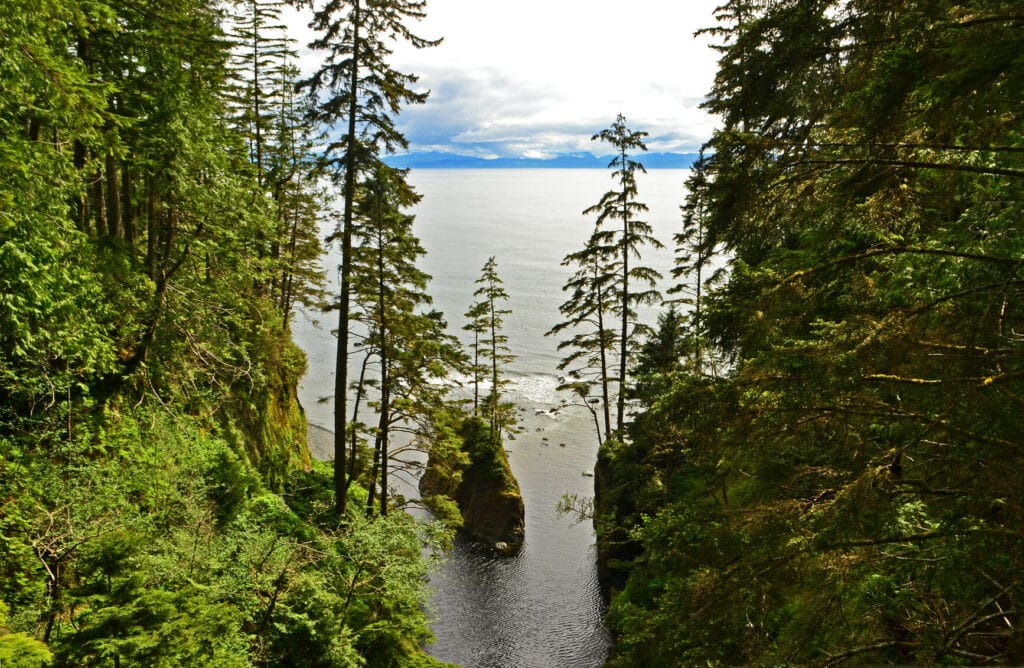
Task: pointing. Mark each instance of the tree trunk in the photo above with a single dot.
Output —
(494, 375)
(152, 227)
(354, 435)
(99, 203)
(341, 364)
(82, 199)
(476, 372)
(113, 202)
(129, 210)
(604, 363)
(625, 303)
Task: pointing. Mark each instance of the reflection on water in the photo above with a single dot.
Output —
(541, 607)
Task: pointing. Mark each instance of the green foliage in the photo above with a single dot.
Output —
(189, 560)
(469, 483)
(613, 249)
(589, 311)
(487, 318)
(157, 509)
(843, 493)
(20, 650)
(355, 83)
(409, 345)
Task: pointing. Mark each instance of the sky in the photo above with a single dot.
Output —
(538, 78)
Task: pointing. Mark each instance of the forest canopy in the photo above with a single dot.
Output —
(844, 485)
(160, 208)
(823, 457)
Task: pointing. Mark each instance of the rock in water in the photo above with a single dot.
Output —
(487, 495)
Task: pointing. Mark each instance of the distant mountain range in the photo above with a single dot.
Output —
(566, 161)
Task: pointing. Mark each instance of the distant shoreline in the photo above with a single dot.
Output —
(575, 161)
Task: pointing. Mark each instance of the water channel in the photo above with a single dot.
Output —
(541, 607)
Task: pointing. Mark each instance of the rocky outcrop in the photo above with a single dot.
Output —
(482, 486)
(614, 512)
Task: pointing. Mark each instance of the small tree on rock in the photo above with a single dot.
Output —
(493, 346)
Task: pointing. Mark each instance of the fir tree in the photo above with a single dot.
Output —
(695, 254)
(476, 323)
(593, 339)
(635, 283)
(356, 86)
(493, 346)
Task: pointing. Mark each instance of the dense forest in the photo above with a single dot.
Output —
(824, 462)
(163, 188)
(814, 455)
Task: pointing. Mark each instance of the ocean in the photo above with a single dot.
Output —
(541, 607)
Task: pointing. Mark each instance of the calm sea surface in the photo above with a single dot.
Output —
(542, 607)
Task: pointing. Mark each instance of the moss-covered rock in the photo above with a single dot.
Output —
(482, 486)
(266, 424)
(616, 476)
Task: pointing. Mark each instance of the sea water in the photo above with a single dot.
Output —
(541, 607)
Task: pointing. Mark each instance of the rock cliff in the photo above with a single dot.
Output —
(482, 486)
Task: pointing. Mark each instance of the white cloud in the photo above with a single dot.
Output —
(539, 77)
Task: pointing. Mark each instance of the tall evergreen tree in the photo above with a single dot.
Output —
(413, 352)
(635, 283)
(493, 346)
(476, 323)
(389, 287)
(592, 342)
(851, 484)
(298, 197)
(695, 253)
(147, 393)
(356, 86)
(261, 54)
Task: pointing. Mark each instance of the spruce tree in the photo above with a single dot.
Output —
(493, 346)
(852, 483)
(408, 342)
(261, 53)
(476, 323)
(388, 287)
(693, 269)
(357, 87)
(634, 284)
(592, 342)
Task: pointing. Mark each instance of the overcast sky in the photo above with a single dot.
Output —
(536, 78)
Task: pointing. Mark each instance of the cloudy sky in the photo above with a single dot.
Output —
(536, 78)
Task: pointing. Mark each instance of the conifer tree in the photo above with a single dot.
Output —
(298, 198)
(493, 346)
(635, 283)
(261, 55)
(852, 483)
(476, 323)
(148, 415)
(408, 342)
(593, 339)
(695, 252)
(389, 287)
(357, 87)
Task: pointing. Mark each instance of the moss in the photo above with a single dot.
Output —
(266, 424)
(483, 487)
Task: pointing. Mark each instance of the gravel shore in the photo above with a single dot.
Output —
(321, 442)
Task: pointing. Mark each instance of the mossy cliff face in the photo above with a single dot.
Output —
(482, 486)
(615, 482)
(265, 423)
